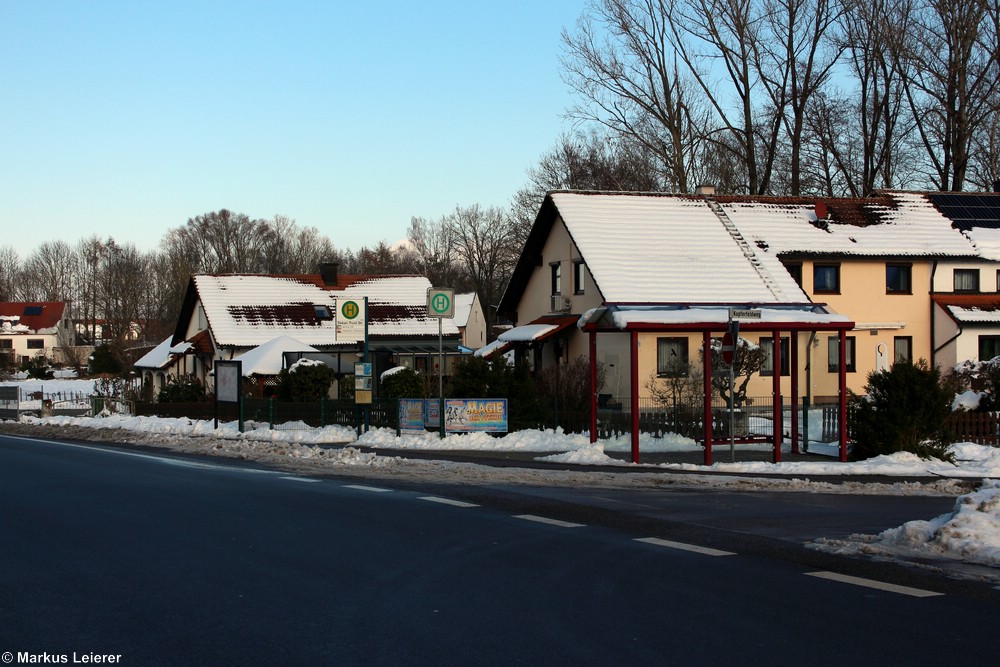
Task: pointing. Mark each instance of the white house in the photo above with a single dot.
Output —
(31, 329)
(226, 316)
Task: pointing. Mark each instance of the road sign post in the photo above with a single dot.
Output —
(441, 304)
(729, 342)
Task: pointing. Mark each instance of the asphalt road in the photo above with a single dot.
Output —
(161, 560)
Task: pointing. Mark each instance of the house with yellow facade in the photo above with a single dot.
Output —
(844, 286)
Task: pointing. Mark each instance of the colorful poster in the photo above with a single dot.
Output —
(411, 414)
(432, 413)
(475, 414)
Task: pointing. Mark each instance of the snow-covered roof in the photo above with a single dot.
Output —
(903, 224)
(268, 359)
(663, 249)
(463, 308)
(248, 310)
(491, 348)
(397, 306)
(805, 315)
(526, 333)
(970, 308)
(158, 357)
(987, 242)
(31, 317)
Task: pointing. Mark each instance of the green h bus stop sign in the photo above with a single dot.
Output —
(440, 302)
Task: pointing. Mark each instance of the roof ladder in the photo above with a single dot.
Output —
(745, 247)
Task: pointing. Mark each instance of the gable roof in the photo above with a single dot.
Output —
(657, 248)
(463, 308)
(157, 358)
(246, 310)
(646, 248)
(31, 316)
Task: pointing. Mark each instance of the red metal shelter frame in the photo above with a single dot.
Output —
(707, 328)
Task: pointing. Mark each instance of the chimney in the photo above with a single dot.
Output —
(328, 272)
(705, 190)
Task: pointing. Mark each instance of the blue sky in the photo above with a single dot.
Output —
(125, 119)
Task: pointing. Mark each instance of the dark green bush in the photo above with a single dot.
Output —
(184, 389)
(38, 368)
(304, 382)
(402, 383)
(104, 361)
(906, 409)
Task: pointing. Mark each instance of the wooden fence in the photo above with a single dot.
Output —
(982, 428)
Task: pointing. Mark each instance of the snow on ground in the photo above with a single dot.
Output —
(969, 534)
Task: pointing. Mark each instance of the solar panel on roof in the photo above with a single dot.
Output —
(32, 310)
(968, 211)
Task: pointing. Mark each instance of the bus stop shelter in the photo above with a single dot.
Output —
(714, 320)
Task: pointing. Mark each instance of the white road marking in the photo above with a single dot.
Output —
(448, 501)
(871, 583)
(373, 489)
(300, 479)
(110, 449)
(551, 522)
(707, 551)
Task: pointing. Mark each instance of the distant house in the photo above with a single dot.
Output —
(470, 320)
(226, 316)
(31, 329)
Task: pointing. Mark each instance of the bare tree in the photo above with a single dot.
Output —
(221, 242)
(433, 243)
(795, 65)
(48, 272)
(622, 63)
(125, 278)
(870, 144)
(288, 248)
(726, 35)
(948, 56)
(10, 269)
(483, 242)
(984, 167)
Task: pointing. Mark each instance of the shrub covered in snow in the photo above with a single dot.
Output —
(402, 382)
(982, 378)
